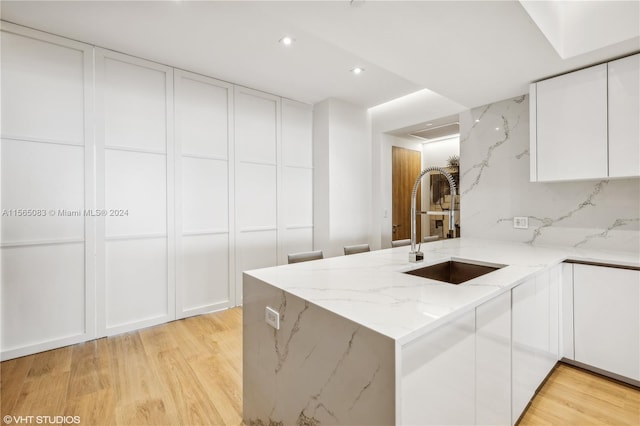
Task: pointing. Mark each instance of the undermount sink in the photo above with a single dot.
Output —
(454, 272)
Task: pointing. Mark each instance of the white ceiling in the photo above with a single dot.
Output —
(472, 53)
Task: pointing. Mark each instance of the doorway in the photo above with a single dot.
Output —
(406, 165)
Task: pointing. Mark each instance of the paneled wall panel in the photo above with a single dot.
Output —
(255, 249)
(256, 202)
(205, 260)
(296, 224)
(205, 195)
(135, 103)
(137, 288)
(256, 123)
(46, 177)
(46, 241)
(43, 87)
(298, 200)
(257, 178)
(297, 146)
(203, 109)
(43, 295)
(135, 186)
(204, 183)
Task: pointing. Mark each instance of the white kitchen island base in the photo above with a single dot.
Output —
(318, 368)
(362, 343)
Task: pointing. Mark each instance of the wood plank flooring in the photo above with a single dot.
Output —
(186, 372)
(189, 372)
(572, 396)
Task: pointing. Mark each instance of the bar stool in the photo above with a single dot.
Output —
(400, 243)
(357, 248)
(304, 256)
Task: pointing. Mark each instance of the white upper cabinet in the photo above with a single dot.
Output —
(586, 124)
(570, 122)
(624, 113)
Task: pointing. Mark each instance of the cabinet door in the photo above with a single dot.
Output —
(295, 233)
(493, 361)
(535, 335)
(571, 126)
(47, 260)
(624, 117)
(203, 114)
(134, 158)
(257, 152)
(566, 322)
(607, 319)
(438, 375)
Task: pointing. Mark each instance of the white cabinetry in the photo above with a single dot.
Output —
(586, 124)
(48, 295)
(570, 124)
(257, 149)
(204, 119)
(134, 169)
(493, 361)
(296, 224)
(184, 217)
(438, 376)
(624, 113)
(566, 309)
(535, 310)
(607, 319)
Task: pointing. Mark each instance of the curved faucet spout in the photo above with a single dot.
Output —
(415, 256)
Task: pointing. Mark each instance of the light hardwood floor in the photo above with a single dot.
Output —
(572, 396)
(189, 372)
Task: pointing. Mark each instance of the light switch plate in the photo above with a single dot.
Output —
(521, 222)
(272, 317)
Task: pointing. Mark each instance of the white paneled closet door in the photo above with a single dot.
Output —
(296, 230)
(135, 186)
(204, 127)
(257, 151)
(46, 155)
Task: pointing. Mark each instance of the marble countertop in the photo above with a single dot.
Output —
(372, 290)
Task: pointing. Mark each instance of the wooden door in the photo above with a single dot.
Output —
(406, 166)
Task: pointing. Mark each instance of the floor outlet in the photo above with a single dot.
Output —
(521, 222)
(272, 317)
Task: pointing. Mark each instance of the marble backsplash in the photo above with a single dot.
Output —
(495, 187)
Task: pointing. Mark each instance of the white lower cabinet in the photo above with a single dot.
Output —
(493, 361)
(438, 376)
(535, 310)
(607, 319)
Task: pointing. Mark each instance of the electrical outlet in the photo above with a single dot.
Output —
(272, 317)
(521, 222)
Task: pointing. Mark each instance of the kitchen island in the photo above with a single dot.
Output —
(361, 342)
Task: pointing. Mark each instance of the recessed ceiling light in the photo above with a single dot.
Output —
(357, 70)
(497, 128)
(477, 120)
(286, 40)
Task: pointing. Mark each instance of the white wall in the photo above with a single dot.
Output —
(342, 176)
(438, 153)
(412, 109)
